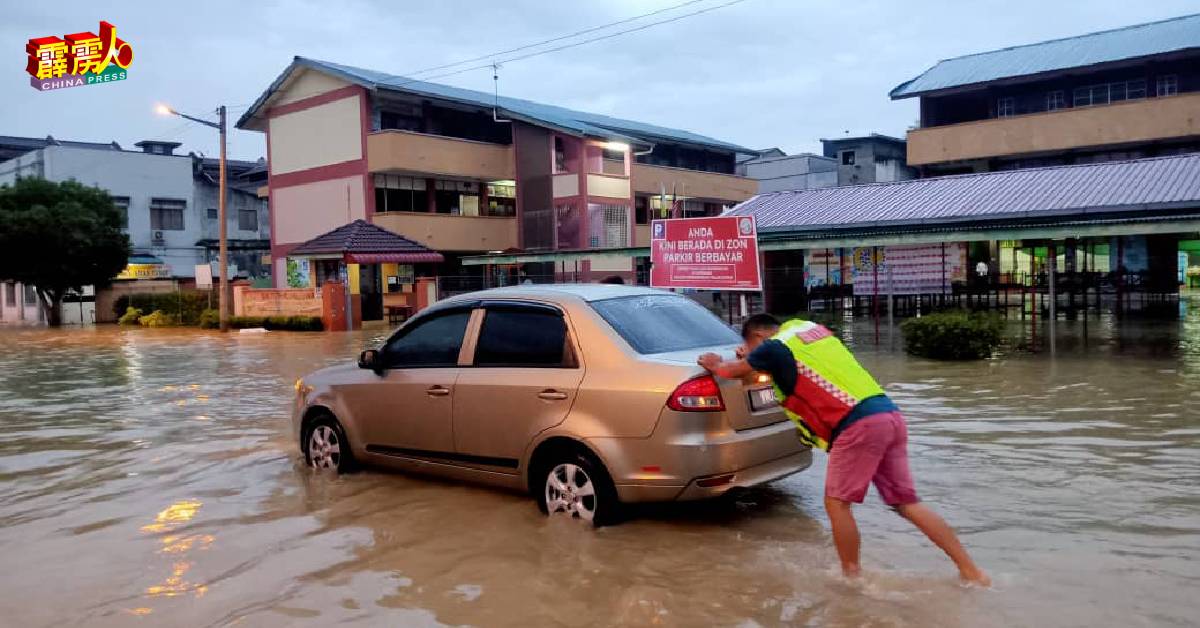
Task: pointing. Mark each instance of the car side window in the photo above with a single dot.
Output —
(430, 343)
(523, 337)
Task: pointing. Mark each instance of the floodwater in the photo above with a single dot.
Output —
(147, 477)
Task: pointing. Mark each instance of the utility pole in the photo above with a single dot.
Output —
(225, 289)
(226, 295)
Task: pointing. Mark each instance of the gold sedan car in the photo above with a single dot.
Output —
(586, 396)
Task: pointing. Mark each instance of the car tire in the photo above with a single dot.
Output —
(574, 484)
(326, 446)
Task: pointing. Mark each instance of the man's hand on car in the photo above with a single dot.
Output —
(710, 361)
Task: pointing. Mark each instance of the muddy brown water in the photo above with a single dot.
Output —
(148, 478)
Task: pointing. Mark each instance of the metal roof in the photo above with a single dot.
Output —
(1140, 185)
(1129, 42)
(577, 122)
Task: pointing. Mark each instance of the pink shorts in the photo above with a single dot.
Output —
(873, 449)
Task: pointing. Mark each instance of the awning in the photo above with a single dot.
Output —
(394, 258)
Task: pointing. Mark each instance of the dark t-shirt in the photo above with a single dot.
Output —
(773, 357)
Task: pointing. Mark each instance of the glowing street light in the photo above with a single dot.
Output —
(225, 294)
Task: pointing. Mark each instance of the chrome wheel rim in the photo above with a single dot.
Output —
(324, 448)
(571, 492)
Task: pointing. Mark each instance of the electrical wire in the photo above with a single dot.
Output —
(554, 39)
(573, 44)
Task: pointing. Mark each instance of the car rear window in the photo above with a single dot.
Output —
(662, 323)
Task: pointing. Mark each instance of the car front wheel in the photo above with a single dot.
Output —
(575, 486)
(326, 447)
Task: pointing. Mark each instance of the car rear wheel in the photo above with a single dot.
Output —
(326, 446)
(575, 486)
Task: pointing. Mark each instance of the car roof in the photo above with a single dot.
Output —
(560, 292)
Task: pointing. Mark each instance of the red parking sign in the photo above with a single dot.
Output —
(719, 253)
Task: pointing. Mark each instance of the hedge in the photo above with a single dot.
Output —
(953, 335)
(130, 317)
(279, 323)
(184, 306)
(210, 319)
(158, 319)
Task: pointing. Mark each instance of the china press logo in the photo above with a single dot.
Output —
(80, 59)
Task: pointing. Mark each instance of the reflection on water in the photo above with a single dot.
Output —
(148, 477)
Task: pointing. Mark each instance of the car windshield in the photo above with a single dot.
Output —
(664, 323)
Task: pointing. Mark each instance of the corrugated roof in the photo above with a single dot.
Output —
(578, 122)
(1140, 40)
(360, 238)
(1118, 186)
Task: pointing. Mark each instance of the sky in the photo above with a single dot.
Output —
(760, 73)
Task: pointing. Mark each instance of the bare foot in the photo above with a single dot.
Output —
(852, 572)
(975, 577)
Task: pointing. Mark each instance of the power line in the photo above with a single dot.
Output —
(573, 44)
(554, 39)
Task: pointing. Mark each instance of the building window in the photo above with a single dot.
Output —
(612, 162)
(122, 205)
(560, 154)
(458, 198)
(10, 294)
(1106, 93)
(1056, 100)
(641, 210)
(847, 158)
(30, 295)
(400, 194)
(166, 214)
(213, 214)
(1006, 107)
(502, 199)
(247, 220)
(694, 209)
(1166, 85)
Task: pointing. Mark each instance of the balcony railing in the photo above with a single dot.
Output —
(405, 151)
(445, 232)
(649, 179)
(1078, 127)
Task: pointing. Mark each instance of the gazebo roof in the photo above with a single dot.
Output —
(361, 242)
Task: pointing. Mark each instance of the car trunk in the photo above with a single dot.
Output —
(741, 413)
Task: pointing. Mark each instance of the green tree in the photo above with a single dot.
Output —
(59, 237)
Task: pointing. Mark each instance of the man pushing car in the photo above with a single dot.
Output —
(838, 407)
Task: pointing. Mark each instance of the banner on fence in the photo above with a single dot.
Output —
(914, 269)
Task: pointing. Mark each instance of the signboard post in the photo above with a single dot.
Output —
(204, 280)
(715, 253)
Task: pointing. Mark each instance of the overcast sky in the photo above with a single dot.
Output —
(760, 73)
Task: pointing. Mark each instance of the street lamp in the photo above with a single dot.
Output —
(225, 293)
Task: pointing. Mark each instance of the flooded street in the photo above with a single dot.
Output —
(148, 478)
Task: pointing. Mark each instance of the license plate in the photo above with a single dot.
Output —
(762, 398)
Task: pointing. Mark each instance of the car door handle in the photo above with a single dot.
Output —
(437, 391)
(552, 395)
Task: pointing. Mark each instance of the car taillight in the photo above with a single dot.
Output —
(697, 395)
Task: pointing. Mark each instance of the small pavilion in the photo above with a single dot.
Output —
(381, 268)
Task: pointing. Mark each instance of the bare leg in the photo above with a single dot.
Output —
(944, 537)
(845, 534)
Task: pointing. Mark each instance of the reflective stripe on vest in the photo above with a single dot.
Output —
(829, 382)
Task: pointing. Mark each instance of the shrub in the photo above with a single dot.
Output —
(158, 319)
(278, 323)
(210, 319)
(130, 317)
(186, 306)
(953, 335)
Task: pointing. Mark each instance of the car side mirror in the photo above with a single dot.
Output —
(370, 359)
